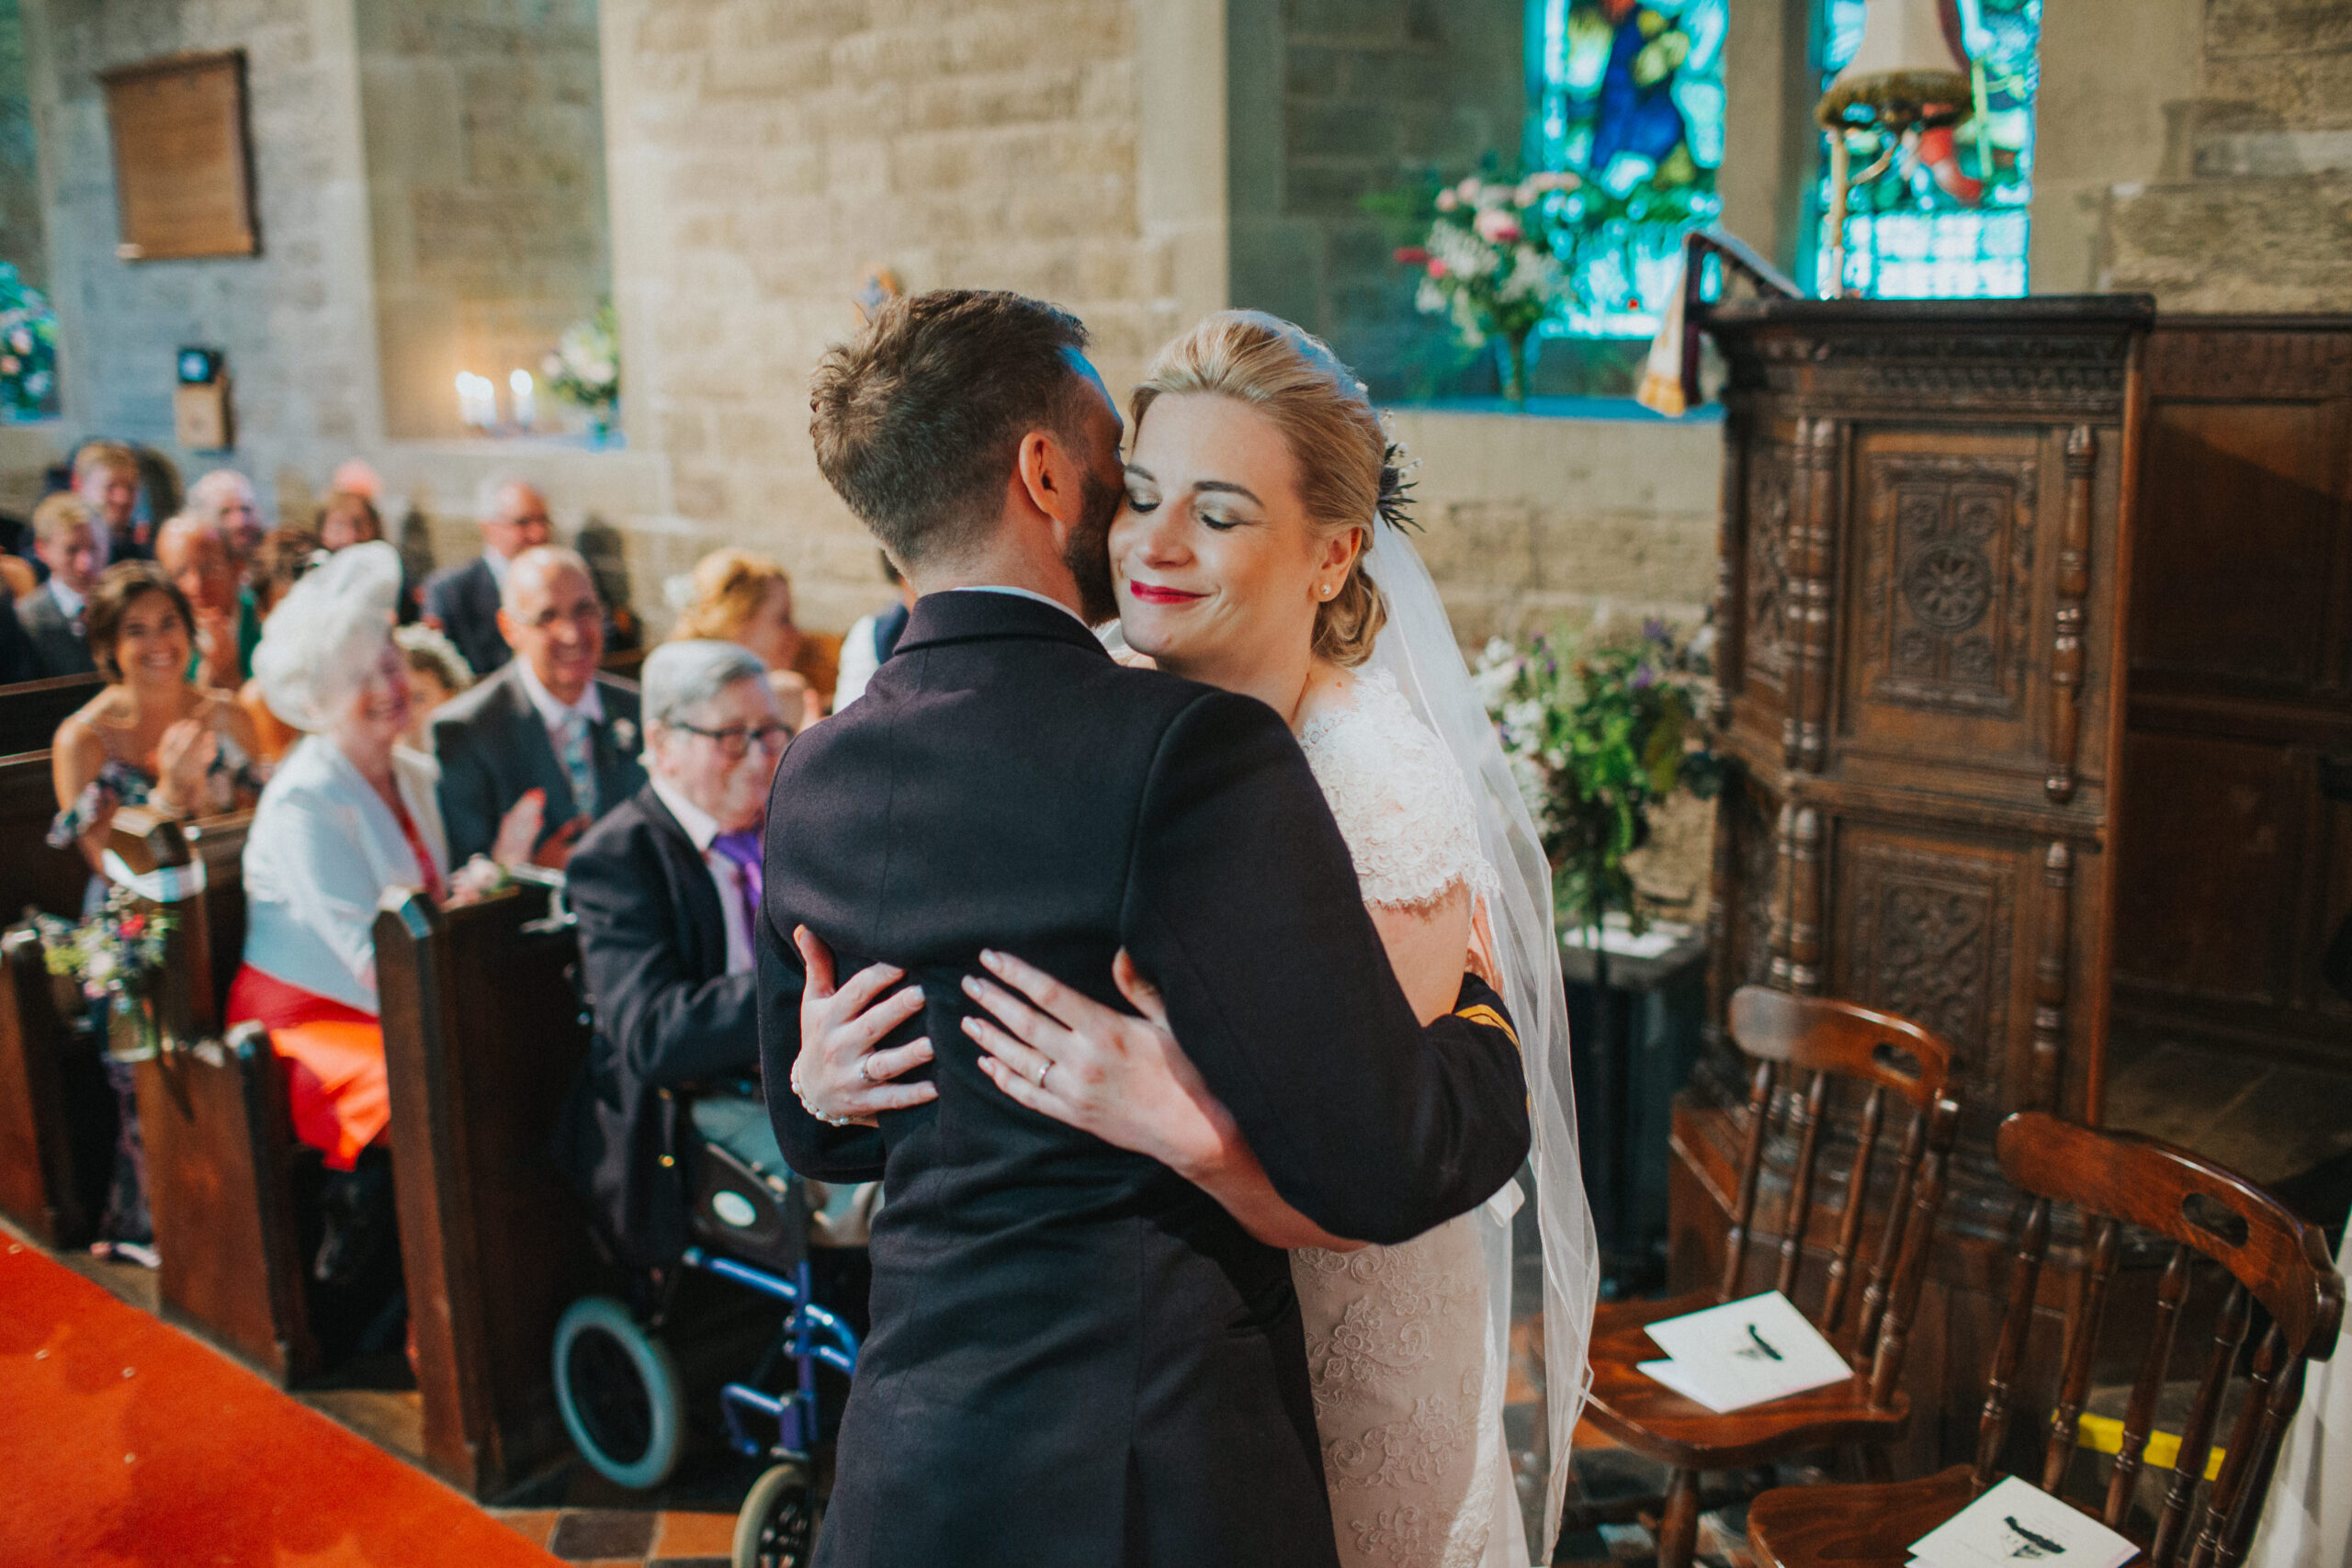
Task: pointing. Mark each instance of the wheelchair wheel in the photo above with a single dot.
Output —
(777, 1526)
(619, 1394)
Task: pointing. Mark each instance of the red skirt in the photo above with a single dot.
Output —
(334, 1056)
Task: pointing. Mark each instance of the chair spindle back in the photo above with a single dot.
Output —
(1831, 1039)
(2273, 1258)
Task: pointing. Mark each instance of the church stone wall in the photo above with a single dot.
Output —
(766, 156)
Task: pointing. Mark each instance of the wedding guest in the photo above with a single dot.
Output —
(436, 672)
(741, 596)
(70, 543)
(347, 518)
(152, 736)
(872, 640)
(226, 497)
(350, 814)
(666, 888)
(285, 554)
(228, 628)
(106, 476)
(464, 601)
(547, 721)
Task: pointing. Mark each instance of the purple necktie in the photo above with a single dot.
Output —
(743, 849)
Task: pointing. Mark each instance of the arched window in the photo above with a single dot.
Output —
(1629, 97)
(1948, 223)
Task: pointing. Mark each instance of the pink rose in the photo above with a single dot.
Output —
(1437, 267)
(1497, 227)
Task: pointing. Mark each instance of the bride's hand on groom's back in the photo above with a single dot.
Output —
(838, 1075)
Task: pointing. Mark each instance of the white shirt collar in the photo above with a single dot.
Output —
(67, 599)
(498, 565)
(556, 714)
(1022, 594)
(700, 825)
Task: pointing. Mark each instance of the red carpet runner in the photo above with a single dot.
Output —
(123, 1441)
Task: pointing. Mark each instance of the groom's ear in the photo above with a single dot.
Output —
(1044, 472)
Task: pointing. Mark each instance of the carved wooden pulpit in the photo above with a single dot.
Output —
(1920, 618)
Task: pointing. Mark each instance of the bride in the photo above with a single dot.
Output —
(1258, 550)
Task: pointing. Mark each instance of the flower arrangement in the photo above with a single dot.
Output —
(28, 348)
(111, 955)
(1490, 263)
(1596, 738)
(585, 367)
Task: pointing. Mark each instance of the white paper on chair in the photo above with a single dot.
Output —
(1743, 1353)
(2016, 1523)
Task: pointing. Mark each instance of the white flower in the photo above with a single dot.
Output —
(624, 735)
(100, 966)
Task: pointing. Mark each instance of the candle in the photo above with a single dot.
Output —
(477, 401)
(526, 405)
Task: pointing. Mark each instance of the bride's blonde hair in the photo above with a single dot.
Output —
(1333, 435)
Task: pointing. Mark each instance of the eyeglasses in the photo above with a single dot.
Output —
(735, 742)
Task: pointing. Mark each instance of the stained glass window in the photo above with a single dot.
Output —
(1629, 97)
(1947, 220)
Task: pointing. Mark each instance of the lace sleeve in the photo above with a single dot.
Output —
(1398, 797)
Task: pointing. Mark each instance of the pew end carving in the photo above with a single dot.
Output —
(484, 1031)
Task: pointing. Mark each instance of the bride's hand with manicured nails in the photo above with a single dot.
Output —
(839, 1074)
(1124, 1079)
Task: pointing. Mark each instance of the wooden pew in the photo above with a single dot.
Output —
(220, 1148)
(483, 1031)
(30, 711)
(57, 1113)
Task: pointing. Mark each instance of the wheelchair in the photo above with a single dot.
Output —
(618, 1389)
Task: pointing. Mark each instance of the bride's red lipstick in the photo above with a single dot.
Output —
(1152, 594)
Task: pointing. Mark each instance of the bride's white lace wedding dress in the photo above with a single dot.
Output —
(1407, 1390)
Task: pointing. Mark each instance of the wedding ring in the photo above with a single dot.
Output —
(866, 1068)
(1044, 1074)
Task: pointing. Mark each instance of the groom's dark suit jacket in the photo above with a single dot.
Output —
(1077, 1358)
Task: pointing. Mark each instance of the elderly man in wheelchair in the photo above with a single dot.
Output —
(665, 1133)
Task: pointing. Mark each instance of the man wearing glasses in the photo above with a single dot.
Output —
(548, 722)
(666, 887)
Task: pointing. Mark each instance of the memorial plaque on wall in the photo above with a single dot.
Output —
(183, 179)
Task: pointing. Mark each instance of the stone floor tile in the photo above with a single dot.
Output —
(591, 1534)
(694, 1535)
(533, 1524)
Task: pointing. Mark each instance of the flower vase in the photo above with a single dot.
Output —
(1513, 358)
(133, 1031)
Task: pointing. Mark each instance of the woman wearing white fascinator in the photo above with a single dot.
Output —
(350, 813)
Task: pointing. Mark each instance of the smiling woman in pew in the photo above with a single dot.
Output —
(351, 813)
(152, 737)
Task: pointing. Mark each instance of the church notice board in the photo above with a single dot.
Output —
(183, 175)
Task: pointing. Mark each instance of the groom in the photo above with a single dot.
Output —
(1077, 1358)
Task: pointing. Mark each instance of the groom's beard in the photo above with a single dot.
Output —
(1088, 551)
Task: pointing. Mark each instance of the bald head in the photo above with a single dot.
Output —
(552, 619)
(195, 552)
(516, 520)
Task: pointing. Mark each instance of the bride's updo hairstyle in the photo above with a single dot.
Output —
(1327, 421)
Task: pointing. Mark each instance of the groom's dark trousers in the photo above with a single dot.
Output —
(1077, 1358)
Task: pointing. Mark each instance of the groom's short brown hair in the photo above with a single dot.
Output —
(917, 421)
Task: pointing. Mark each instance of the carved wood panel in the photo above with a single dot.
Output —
(1947, 589)
(1927, 932)
(1766, 603)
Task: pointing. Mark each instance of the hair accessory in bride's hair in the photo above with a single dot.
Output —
(1395, 503)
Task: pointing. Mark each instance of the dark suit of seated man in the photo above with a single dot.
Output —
(666, 889)
(547, 721)
(463, 601)
(69, 541)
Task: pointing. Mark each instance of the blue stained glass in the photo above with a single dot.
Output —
(1948, 223)
(1630, 99)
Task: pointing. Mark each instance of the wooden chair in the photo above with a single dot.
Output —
(2273, 1261)
(483, 1033)
(1829, 1041)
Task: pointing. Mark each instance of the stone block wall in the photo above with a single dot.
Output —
(766, 157)
(23, 244)
(2260, 216)
(483, 124)
(1332, 100)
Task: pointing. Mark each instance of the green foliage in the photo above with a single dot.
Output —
(27, 349)
(1596, 738)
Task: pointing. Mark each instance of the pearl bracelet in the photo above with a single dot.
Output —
(827, 1120)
